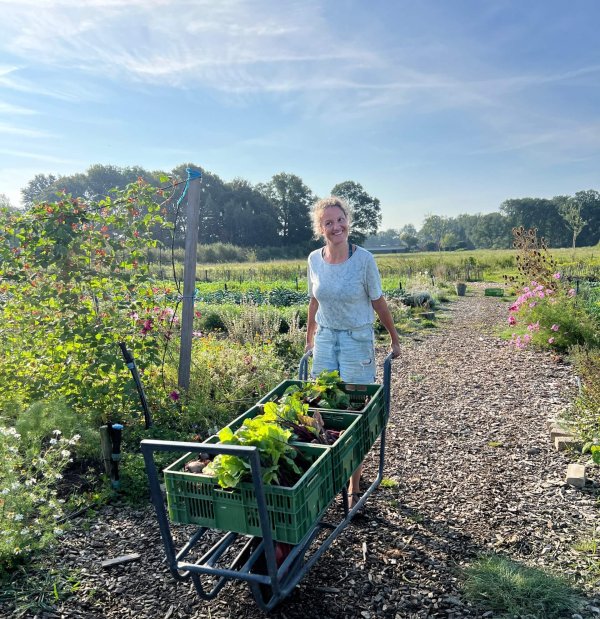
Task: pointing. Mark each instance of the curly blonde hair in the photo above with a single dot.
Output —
(319, 208)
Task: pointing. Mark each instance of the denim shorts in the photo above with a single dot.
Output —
(352, 352)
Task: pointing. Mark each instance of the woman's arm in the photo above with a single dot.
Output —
(311, 323)
(385, 316)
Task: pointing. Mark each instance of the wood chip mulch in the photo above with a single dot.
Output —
(469, 448)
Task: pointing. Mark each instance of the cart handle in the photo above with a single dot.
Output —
(149, 446)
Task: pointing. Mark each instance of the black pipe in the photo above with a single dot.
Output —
(130, 363)
(114, 431)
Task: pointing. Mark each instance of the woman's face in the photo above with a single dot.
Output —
(334, 225)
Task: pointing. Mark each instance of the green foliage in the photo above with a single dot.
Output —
(226, 378)
(30, 508)
(551, 319)
(39, 419)
(276, 454)
(584, 412)
(366, 210)
(72, 285)
(510, 589)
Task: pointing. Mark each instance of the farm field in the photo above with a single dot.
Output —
(484, 265)
(73, 294)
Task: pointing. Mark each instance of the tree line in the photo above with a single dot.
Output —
(273, 214)
(276, 214)
(563, 221)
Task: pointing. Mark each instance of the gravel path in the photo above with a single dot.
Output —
(470, 451)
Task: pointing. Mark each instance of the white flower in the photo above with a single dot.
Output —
(65, 453)
(75, 438)
(30, 482)
(58, 476)
(56, 432)
(5, 491)
(14, 485)
(18, 517)
(53, 441)
(58, 531)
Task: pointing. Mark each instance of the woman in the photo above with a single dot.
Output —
(344, 287)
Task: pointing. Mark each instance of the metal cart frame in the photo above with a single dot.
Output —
(269, 588)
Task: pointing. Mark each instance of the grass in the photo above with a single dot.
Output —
(507, 587)
(33, 590)
(387, 482)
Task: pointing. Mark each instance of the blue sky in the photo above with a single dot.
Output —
(441, 107)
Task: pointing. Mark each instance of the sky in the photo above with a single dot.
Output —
(433, 106)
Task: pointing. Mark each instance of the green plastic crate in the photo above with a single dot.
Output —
(197, 499)
(369, 395)
(358, 393)
(493, 292)
(346, 453)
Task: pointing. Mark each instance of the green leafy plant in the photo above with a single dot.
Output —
(276, 454)
(31, 510)
(326, 391)
(73, 284)
(584, 413)
(551, 318)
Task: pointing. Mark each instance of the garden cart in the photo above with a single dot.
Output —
(268, 536)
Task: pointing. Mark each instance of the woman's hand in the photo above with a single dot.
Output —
(309, 346)
(395, 350)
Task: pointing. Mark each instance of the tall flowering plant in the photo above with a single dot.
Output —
(31, 511)
(549, 316)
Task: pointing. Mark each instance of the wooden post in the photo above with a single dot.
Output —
(189, 283)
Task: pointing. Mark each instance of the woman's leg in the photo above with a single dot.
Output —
(357, 365)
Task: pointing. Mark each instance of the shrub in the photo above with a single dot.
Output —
(30, 510)
(550, 318)
(39, 419)
(584, 413)
(252, 323)
(226, 378)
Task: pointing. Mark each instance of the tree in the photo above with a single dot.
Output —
(570, 211)
(5, 203)
(433, 230)
(590, 211)
(41, 187)
(250, 219)
(292, 200)
(366, 210)
(541, 214)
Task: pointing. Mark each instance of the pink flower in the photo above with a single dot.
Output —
(556, 276)
(174, 395)
(550, 340)
(532, 304)
(571, 292)
(512, 320)
(527, 338)
(197, 333)
(555, 327)
(534, 327)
